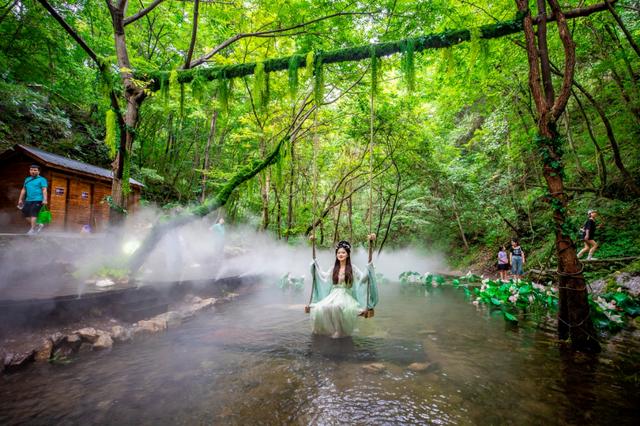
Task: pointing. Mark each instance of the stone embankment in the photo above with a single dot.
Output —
(59, 347)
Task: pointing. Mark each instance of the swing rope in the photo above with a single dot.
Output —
(370, 312)
(307, 308)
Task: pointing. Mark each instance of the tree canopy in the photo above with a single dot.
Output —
(454, 155)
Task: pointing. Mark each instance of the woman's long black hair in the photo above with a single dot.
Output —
(348, 271)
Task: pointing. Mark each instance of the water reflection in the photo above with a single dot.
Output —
(256, 362)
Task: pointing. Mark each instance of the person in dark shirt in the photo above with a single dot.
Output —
(32, 197)
(589, 235)
(517, 260)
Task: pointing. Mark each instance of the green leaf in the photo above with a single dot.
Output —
(509, 316)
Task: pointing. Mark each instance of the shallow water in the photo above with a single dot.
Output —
(254, 361)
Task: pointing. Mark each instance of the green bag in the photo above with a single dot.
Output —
(44, 216)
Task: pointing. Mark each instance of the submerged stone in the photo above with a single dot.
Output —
(419, 366)
(374, 367)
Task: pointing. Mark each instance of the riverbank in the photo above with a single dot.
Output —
(99, 326)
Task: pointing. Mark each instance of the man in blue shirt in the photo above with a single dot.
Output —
(32, 197)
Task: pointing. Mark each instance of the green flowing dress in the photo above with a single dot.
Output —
(335, 307)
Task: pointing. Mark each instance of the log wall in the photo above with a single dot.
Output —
(74, 200)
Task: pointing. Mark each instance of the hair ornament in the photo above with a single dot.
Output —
(344, 244)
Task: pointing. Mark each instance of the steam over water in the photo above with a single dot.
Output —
(254, 361)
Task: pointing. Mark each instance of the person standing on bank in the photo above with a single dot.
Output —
(32, 197)
(589, 233)
(516, 258)
(503, 263)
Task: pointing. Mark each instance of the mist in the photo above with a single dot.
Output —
(54, 263)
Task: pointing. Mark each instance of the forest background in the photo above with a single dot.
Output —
(455, 166)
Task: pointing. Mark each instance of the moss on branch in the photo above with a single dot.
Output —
(349, 54)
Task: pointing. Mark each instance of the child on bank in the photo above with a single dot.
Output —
(503, 263)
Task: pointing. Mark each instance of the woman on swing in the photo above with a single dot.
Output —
(338, 297)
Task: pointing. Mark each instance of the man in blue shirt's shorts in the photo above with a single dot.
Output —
(32, 197)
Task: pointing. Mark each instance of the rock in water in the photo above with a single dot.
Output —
(120, 334)
(104, 342)
(374, 367)
(419, 366)
(104, 283)
(43, 353)
(88, 334)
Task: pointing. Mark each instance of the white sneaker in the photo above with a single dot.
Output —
(38, 228)
(592, 258)
(31, 232)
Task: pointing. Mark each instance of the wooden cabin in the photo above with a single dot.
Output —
(76, 190)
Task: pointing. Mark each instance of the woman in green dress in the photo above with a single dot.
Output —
(341, 295)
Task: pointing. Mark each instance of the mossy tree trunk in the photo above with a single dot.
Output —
(574, 319)
(134, 95)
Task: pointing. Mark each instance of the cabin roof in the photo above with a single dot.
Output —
(59, 162)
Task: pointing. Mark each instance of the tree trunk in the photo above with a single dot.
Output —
(264, 189)
(574, 319)
(602, 167)
(336, 230)
(617, 78)
(291, 186)
(205, 169)
(350, 217)
(464, 238)
(625, 58)
(278, 208)
(624, 29)
(134, 96)
(615, 149)
(581, 171)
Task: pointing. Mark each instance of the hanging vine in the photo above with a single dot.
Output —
(475, 47)
(294, 64)
(318, 86)
(349, 54)
(224, 94)
(110, 133)
(374, 70)
(309, 64)
(198, 88)
(259, 84)
(449, 63)
(164, 88)
(407, 64)
(126, 175)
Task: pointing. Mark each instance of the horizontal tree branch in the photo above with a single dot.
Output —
(133, 18)
(421, 43)
(267, 33)
(74, 35)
